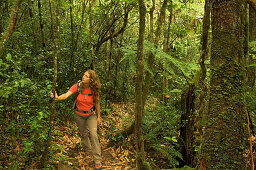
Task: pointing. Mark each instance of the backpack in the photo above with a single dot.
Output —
(77, 93)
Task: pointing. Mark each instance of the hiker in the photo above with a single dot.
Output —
(87, 112)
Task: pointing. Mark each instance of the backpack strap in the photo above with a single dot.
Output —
(78, 88)
(77, 93)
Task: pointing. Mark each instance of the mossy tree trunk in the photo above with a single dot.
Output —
(204, 55)
(225, 134)
(140, 157)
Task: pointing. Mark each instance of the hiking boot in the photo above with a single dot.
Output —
(98, 166)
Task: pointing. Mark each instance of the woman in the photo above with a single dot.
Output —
(87, 112)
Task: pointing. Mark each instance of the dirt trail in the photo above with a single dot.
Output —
(71, 154)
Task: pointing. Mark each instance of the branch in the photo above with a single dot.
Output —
(116, 34)
(252, 3)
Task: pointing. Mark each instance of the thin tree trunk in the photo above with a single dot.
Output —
(225, 135)
(12, 24)
(140, 158)
(1, 17)
(151, 57)
(151, 22)
(80, 26)
(73, 60)
(91, 32)
(166, 50)
(41, 24)
(108, 87)
(204, 55)
(33, 25)
(53, 110)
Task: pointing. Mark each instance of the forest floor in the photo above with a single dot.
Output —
(71, 154)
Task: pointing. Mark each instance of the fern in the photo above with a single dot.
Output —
(130, 55)
(168, 62)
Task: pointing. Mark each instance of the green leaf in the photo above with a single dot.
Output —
(251, 65)
(8, 57)
(175, 91)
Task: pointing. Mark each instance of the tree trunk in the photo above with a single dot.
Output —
(166, 49)
(12, 24)
(41, 24)
(1, 17)
(91, 33)
(73, 60)
(33, 26)
(252, 37)
(204, 55)
(151, 57)
(108, 87)
(225, 135)
(53, 110)
(140, 158)
(187, 126)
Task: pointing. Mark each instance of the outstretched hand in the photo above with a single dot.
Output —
(56, 95)
(99, 121)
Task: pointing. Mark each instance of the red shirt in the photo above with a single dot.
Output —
(83, 102)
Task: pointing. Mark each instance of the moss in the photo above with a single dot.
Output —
(225, 133)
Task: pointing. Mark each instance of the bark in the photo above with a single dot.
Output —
(12, 24)
(151, 22)
(72, 50)
(252, 37)
(187, 126)
(225, 135)
(140, 157)
(204, 55)
(1, 17)
(41, 24)
(91, 32)
(166, 49)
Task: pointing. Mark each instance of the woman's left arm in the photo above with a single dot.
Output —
(97, 105)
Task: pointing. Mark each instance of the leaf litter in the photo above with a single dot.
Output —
(71, 154)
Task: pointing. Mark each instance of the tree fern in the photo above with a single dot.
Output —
(171, 64)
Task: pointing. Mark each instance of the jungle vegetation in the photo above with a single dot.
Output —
(178, 82)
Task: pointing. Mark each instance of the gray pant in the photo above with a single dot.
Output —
(88, 126)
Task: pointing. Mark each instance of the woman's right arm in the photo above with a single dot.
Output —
(63, 96)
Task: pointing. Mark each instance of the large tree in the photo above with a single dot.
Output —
(225, 135)
(140, 160)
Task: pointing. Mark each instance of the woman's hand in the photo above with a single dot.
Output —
(56, 95)
(99, 121)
